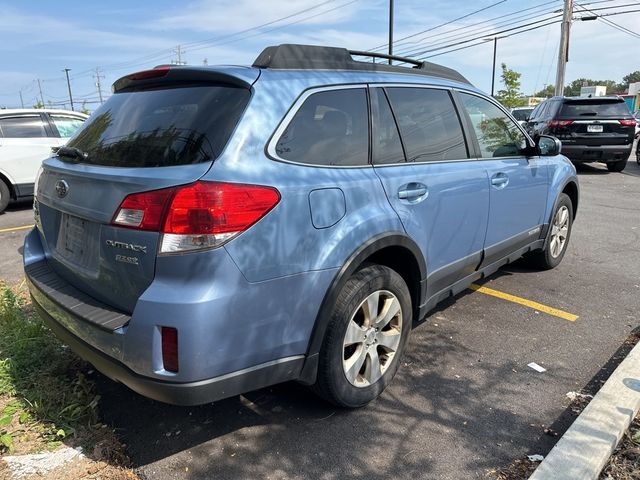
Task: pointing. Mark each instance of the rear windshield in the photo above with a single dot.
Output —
(522, 114)
(591, 108)
(161, 127)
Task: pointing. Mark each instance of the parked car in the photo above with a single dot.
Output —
(214, 230)
(521, 114)
(637, 117)
(26, 138)
(595, 129)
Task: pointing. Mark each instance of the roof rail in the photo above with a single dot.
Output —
(310, 57)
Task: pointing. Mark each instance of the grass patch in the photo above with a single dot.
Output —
(45, 395)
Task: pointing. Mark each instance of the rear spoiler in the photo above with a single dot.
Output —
(174, 74)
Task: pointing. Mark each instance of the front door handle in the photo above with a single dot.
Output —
(500, 180)
(413, 191)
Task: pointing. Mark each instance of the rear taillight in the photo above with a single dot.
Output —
(199, 215)
(559, 123)
(628, 122)
(169, 349)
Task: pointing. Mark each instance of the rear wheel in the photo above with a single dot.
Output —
(616, 166)
(366, 337)
(558, 237)
(5, 196)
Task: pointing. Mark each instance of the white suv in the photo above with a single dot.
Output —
(26, 138)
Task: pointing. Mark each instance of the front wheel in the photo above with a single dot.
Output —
(366, 337)
(616, 166)
(558, 237)
(5, 196)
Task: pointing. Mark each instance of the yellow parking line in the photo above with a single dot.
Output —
(523, 301)
(13, 229)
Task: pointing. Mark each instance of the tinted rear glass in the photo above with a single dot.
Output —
(521, 114)
(163, 127)
(591, 108)
(22, 127)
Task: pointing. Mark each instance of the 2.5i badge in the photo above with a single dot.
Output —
(125, 259)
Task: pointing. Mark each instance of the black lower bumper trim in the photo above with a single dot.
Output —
(193, 393)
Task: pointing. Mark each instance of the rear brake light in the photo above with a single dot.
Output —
(169, 349)
(199, 215)
(559, 123)
(146, 74)
(628, 122)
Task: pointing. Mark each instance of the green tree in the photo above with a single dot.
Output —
(510, 96)
(39, 104)
(547, 91)
(84, 109)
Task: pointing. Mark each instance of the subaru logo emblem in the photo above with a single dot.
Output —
(62, 188)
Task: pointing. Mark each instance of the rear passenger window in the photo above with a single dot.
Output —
(67, 126)
(387, 147)
(428, 123)
(497, 134)
(22, 127)
(330, 128)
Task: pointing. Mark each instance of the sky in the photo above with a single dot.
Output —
(40, 38)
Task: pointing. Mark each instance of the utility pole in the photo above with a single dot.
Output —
(390, 29)
(66, 71)
(179, 53)
(563, 53)
(98, 84)
(41, 97)
(493, 71)
(21, 100)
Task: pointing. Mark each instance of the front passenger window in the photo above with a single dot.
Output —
(497, 134)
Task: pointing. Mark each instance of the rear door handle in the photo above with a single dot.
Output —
(413, 191)
(500, 180)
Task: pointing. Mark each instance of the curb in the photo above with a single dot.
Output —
(584, 449)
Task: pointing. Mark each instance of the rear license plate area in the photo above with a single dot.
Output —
(594, 128)
(76, 240)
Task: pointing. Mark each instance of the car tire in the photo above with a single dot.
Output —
(5, 196)
(361, 352)
(616, 166)
(558, 236)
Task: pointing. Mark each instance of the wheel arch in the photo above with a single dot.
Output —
(571, 189)
(394, 250)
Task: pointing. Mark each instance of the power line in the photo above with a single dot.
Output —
(400, 40)
(611, 23)
(476, 35)
(166, 52)
(275, 28)
(483, 24)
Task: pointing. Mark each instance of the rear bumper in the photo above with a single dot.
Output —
(602, 153)
(191, 393)
(233, 336)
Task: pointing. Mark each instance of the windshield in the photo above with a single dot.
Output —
(594, 108)
(161, 127)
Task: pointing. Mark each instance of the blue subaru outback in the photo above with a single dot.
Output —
(214, 230)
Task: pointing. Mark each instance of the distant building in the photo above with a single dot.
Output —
(533, 101)
(593, 91)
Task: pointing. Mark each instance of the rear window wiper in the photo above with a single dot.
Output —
(70, 152)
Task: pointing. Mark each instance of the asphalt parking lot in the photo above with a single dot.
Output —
(463, 402)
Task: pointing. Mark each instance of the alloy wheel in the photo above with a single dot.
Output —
(559, 231)
(372, 338)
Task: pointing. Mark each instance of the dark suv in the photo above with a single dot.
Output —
(598, 129)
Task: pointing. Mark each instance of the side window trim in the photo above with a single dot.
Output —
(467, 126)
(372, 91)
(52, 130)
(270, 149)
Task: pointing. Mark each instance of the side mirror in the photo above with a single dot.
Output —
(548, 146)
